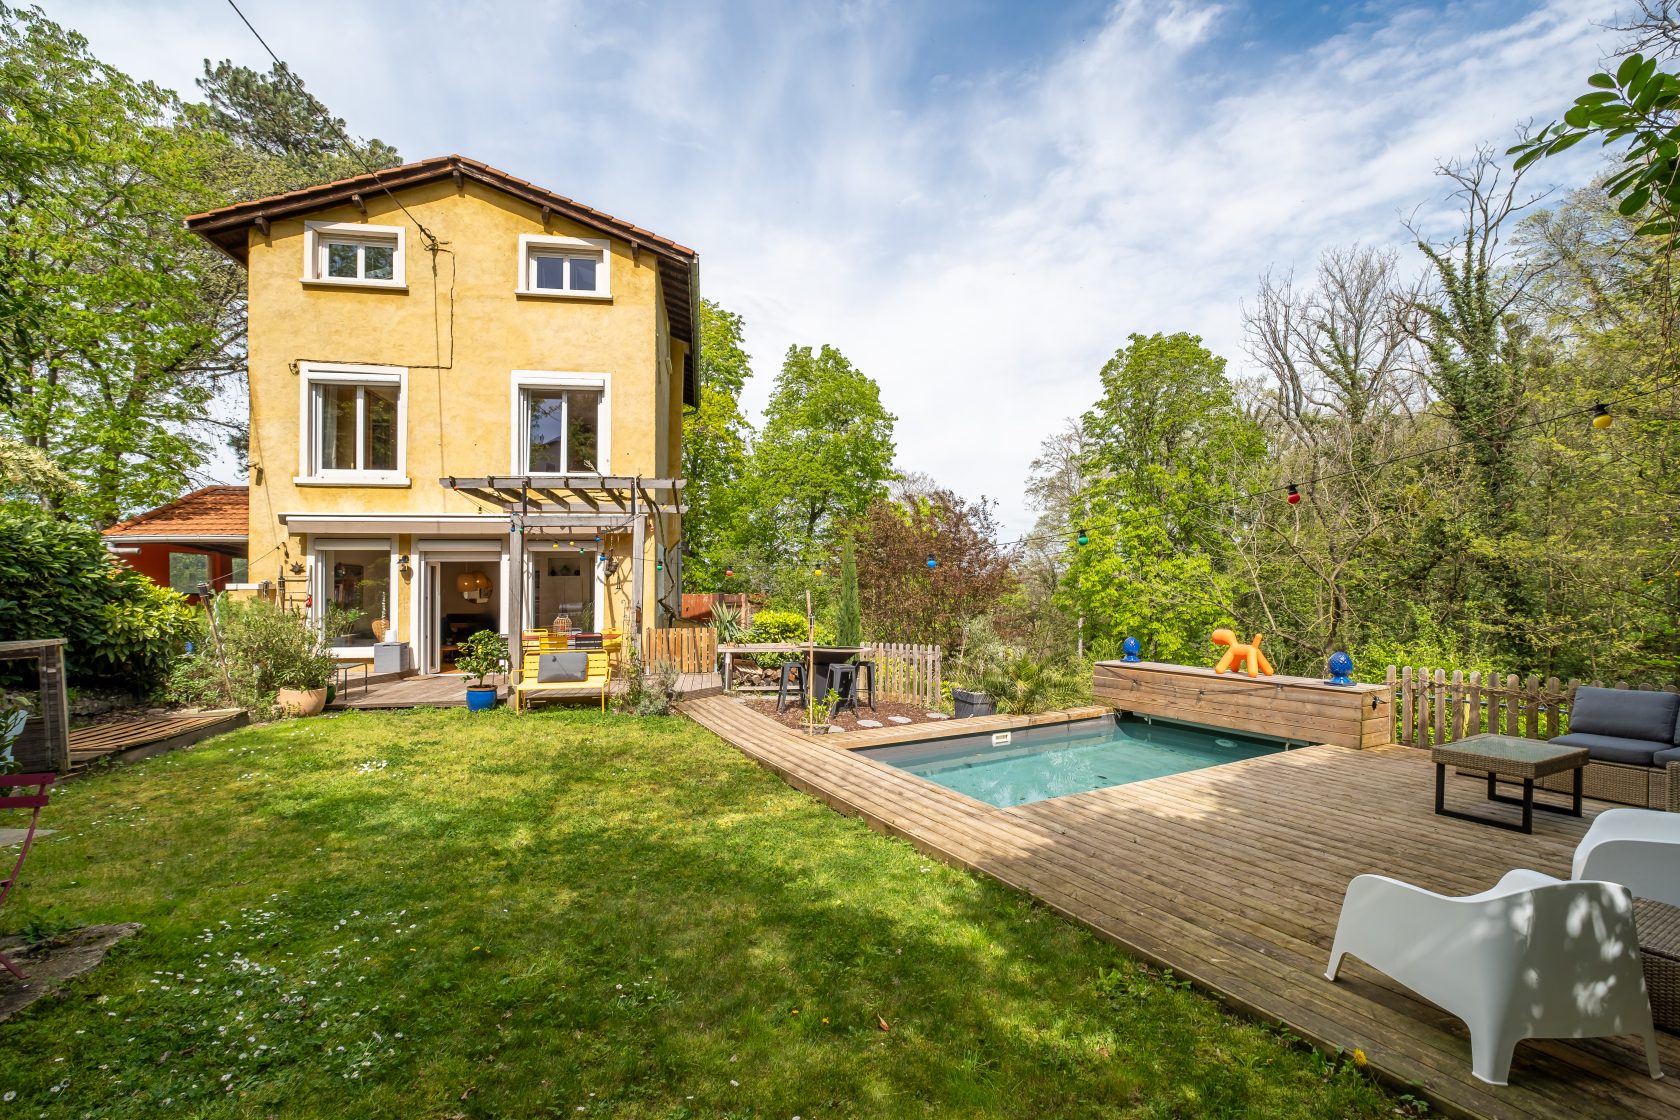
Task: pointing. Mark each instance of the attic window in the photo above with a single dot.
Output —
(574, 267)
(353, 254)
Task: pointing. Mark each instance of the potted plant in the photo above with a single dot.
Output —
(966, 702)
(296, 660)
(480, 655)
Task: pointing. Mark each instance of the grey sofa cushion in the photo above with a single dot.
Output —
(562, 668)
(1625, 713)
(1663, 758)
(1612, 748)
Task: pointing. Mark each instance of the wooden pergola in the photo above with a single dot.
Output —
(549, 505)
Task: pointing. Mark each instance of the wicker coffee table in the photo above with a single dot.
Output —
(1511, 757)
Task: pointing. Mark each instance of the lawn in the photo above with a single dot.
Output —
(440, 914)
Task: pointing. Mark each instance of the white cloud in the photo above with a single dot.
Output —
(979, 240)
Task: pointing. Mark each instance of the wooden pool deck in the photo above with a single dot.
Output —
(1233, 878)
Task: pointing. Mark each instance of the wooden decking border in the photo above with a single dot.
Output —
(128, 740)
(1232, 877)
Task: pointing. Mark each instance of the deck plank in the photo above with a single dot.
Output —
(1233, 877)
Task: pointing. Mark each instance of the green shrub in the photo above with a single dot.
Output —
(783, 627)
(649, 690)
(263, 649)
(58, 581)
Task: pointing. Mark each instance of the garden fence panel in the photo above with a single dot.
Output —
(1432, 708)
(690, 649)
(907, 672)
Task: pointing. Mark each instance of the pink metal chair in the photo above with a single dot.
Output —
(35, 801)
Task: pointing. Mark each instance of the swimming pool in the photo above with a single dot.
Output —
(1037, 763)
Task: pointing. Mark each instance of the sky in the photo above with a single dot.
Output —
(976, 202)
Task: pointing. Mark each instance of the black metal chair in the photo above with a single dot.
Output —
(791, 678)
(866, 680)
(842, 684)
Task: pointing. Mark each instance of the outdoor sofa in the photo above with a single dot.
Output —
(1632, 737)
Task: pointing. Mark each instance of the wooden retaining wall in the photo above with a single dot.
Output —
(1302, 709)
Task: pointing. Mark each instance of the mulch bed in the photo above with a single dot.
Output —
(795, 716)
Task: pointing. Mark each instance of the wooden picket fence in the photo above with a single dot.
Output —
(907, 672)
(1433, 706)
(690, 649)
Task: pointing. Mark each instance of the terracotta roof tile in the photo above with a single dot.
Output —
(213, 511)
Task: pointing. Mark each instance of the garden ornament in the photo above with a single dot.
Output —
(1247, 655)
(1341, 668)
(1131, 647)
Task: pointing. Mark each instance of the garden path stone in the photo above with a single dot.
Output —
(10, 836)
(899, 719)
(937, 715)
(55, 963)
(869, 723)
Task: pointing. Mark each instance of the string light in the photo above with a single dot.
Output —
(729, 573)
(1294, 495)
(931, 562)
(1084, 538)
(1601, 417)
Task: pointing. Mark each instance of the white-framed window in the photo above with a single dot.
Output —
(561, 423)
(352, 584)
(353, 425)
(352, 254)
(573, 267)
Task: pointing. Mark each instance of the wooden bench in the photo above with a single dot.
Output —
(529, 688)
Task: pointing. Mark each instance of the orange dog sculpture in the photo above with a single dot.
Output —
(1247, 655)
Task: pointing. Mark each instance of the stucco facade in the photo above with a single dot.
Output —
(367, 394)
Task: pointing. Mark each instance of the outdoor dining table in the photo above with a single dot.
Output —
(822, 656)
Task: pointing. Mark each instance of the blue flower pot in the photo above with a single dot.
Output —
(480, 699)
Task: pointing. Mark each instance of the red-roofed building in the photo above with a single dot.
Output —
(195, 540)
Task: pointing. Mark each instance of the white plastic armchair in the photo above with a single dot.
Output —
(1638, 848)
(1535, 957)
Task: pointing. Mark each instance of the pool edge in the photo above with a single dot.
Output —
(961, 728)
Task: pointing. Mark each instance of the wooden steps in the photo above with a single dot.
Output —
(1233, 878)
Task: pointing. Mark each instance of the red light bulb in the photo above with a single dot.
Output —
(1294, 495)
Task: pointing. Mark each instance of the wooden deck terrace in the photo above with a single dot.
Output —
(1233, 877)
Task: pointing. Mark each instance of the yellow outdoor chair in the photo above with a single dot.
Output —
(529, 688)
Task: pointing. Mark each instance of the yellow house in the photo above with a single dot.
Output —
(466, 401)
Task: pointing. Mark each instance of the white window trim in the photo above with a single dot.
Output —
(313, 273)
(318, 574)
(522, 284)
(311, 374)
(524, 379)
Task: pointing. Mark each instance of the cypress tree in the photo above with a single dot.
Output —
(849, 623)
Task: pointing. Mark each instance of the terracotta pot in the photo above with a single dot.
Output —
(381, 627)
(301, 701)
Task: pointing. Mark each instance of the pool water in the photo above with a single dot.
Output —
(1039, 763)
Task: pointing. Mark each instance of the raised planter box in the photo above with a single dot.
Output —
(1301, 709)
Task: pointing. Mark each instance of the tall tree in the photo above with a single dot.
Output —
(126, 337)
(904, 599)
(716, 440)
(848, 621)
(121, 336)
(1168, 444)
(825, 452)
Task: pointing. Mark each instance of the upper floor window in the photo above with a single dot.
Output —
(564, 266)
(560, 423)
(353, 254)
(353, 425)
